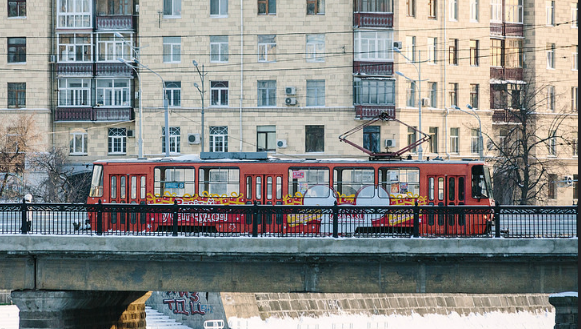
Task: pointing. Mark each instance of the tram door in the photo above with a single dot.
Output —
(130, 189)
(445, 190)
(265, 190)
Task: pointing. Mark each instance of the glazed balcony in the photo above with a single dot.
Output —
(502, 73)
(107, 69)
(373, 68)
(92, 114)
(372, 111)
(115, 22)
(506, 30)
(74, 69)
(376, 20)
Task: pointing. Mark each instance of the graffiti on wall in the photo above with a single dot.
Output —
(186, 303)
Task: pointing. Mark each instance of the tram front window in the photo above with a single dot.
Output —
(97, 182)
(481, 188)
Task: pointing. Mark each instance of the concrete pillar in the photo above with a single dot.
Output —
(42, 309)
(566, 310)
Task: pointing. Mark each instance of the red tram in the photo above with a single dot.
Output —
(254, 177)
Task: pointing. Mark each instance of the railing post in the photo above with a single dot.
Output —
(335, 220)
(100, 218)
(416, 220)
(255, 220)
(497, 219)
(175, 218)
(24, 228)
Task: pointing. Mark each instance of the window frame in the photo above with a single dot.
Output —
(575, 99)
(173, 92)
(266, 48)
(318, 98)
(113, 48)
(551, 56)
(410, 8)
(410, 94)
(552, 144)
(453, 52)
(268, 134)
(315, 47)
(474, 141)
(219, 90)
(432, 50)
(219, 49)
(550, 11)
(453, 10)
(266, 92)
(74, 95)
(496, 11)
(18, 53)
(123, 92)
(514, 8)
(575, 15)
(552, 186)
(218, 141)
(172, 49)
(453, 93)
(363, 91)
(174, 10)
(474, 95)
(474, 52)
(268, 8)
(551, 98)
(69, 19)
(18, 7)
(432, 9)
(433, 94)
(174, 140)
(433, 132)
(16, 92)
(222, 12)
(372, 138)
(76, 48)
(373, 43)
(575, 58)
(455, 140)
(78, 137)
(474, 11)
(315, 5)
(117, 141)
(314, 138)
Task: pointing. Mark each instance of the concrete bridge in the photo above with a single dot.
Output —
(129, 266)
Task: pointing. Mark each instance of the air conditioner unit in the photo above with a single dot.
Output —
(426, 102)
(390, 143)
(130, 133)
(398, 45)
(194, 138)
(290, 101)
(281, 143)
(569, 180)
(291, 90)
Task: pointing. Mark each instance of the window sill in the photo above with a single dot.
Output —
(219, 62)
(17, 17)
(78, 154)
(171, 16)
(218, 16)
(16, 63)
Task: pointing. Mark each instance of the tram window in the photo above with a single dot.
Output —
(249, 187)
(133, 187)
(258, 187)
(431, 188)
(441, 188)
(113, 187)
(347, 181)
(268, 188)
(279, 187)
(301, 179)
(97, 182)
(122, 187)
(177, 181)
(451, 188)
(142, 188)
(461, 188)
(220, 181)
(400, 180)
(480, 182)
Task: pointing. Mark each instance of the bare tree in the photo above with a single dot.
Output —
(527, 143)
(18, 138)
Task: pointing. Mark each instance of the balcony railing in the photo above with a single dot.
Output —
(373, 68)
(504, 116)
(115, 22)
(506, 73)
(74, 69)
(113, 69)
(384, 20)
(372, 111)
(92, 114)
(506, 29)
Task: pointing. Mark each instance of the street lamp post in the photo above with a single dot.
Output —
(480, 141)
(202, 75)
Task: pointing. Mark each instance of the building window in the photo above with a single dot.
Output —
(172, 8)
(474, 144)
(474, 96)
(552, 186)
(453, 93)
(410, 94)
(374, 92)
(219, 139)
(432, 8)
(552, 143)
(576, 187)
(114, 7)
(453, 52)
(474, 10)
(267, 48)
(474, 57)
(110, 48)
(74, 92)
(412, 138)
(575, 145)
(453, 10)
(117, 141)
(550, 55)
(219, 48)
(314, 138)
(266, 7)
(550, 8)
(219, 93)
(514, 11)
(375, 6)
(78, 143)
(16, 8)
(575, 56)
(16, 50)
(574, 98)
(315, 7)
(265, 138)
(433, 90)
(455, 140)
(551, 98)
(574, 15)
(75, 47)
(372, 138)
(410, 48)
(173, 93)
(16, 95)
(513, 53)
(219, 8)
(496, 53)
(113, 92)
(496, 11)
(433, 132)
(315, 92)
(373, 45)
(315, 50)
(432, 50)
(74, 13)
(411, 8)
(174, 140)
(515, 96)
(267, 93)
(172, 48)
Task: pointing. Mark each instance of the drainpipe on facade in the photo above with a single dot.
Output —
(241, 65)
(445, 89)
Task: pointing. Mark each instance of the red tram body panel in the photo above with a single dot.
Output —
(191, 180)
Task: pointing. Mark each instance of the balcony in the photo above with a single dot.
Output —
(504, 116)
(111, 114)
(73, 114)
(373, 68)
(506, 30)
(103, 69)
(114, 22)
(372, 111)
(92, 114)
(515, 74)
(74, 69)
(377, 20)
